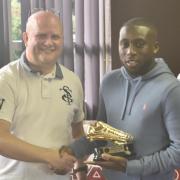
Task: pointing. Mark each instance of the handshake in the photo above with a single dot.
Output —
(66, 162)
(112, 157)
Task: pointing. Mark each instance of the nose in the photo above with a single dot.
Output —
(131, 49)
(48, 41)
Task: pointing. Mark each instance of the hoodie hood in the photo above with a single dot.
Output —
(138, 82)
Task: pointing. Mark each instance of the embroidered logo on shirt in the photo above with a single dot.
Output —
(2, 100)
(67, 96)
(145, 107)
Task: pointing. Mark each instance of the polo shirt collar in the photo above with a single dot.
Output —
(24, 63)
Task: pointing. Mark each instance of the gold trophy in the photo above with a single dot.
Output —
(122, 142)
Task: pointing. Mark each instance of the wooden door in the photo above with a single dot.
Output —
(165, 14)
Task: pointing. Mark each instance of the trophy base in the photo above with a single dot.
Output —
(124, 150)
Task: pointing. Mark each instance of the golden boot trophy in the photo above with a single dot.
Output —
(122, 142)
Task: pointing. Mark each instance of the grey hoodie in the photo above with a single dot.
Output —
(148, 108)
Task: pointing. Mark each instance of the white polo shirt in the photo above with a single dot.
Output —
(41, 110)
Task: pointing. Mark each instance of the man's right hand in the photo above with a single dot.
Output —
(62, 162)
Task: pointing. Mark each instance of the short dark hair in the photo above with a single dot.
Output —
(141, 21)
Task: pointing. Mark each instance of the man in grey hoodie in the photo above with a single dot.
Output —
(143, 99)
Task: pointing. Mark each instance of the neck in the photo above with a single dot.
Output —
(42, 69)
(149, 68)
(145, 70)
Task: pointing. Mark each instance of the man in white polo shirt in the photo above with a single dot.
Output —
(41, 106)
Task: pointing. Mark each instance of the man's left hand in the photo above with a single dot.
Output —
(111, 162)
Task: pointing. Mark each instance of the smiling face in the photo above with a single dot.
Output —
(43, 40)
(137, 47)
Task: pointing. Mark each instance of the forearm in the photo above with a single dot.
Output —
(12, 147)
(157, 163)
(15, 148)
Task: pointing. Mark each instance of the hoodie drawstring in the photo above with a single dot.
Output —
(125, 100)
(137, 88)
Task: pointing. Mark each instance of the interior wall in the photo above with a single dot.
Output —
(164, 13)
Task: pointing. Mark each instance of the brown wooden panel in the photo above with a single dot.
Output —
(165, 14)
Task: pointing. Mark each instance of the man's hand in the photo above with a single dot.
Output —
(65, 149)
(62, 162)
(80, 169)
(111, 162)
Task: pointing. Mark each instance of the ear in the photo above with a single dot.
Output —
(25, 38)
(156, 47)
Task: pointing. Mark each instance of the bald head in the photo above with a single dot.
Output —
(42, 16)
(43, 40)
